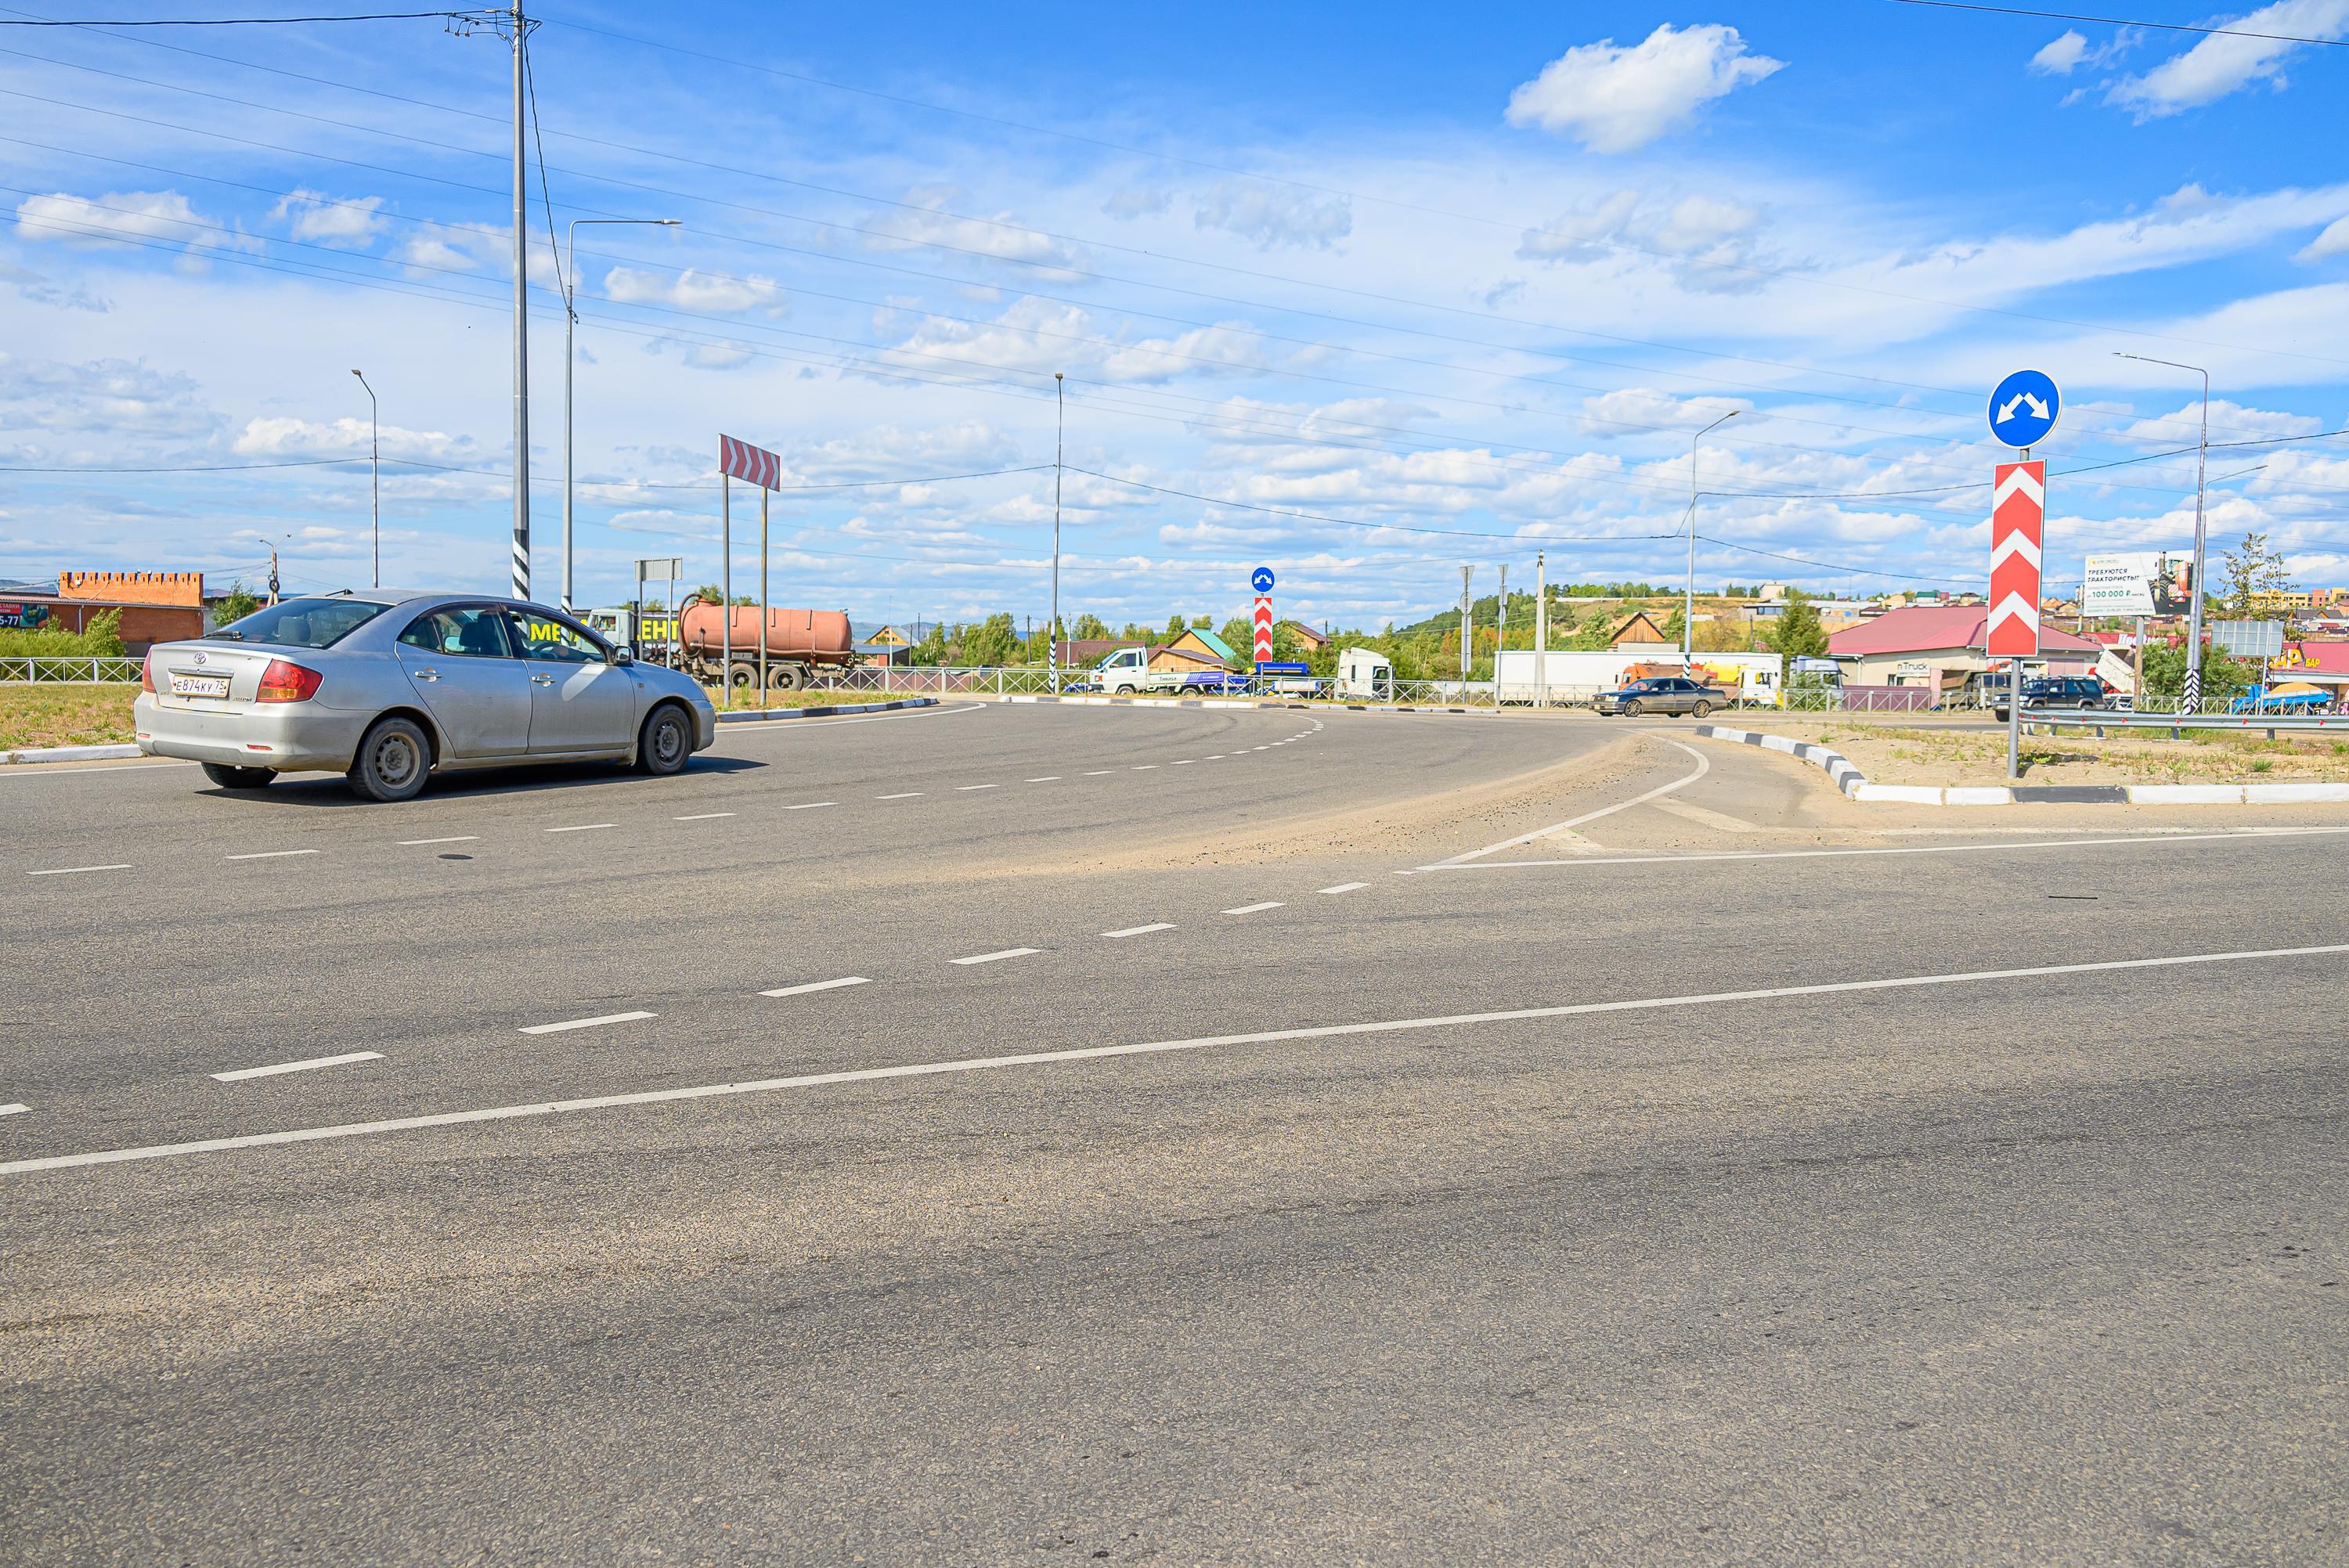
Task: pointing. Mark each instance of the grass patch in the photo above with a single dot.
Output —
(62, 714)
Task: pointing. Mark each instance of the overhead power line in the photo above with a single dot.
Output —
(237, 21)
(2115, 22)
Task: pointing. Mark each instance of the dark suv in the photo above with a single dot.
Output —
(2054, 691)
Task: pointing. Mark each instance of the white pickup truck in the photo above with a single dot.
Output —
(1128, 670)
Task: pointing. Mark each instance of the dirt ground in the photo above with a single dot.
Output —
(1941, 752)
(64, 714)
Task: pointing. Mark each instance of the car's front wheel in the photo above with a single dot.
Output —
(229, 778)
(1631, 708)
(393, 761)
(665, 742)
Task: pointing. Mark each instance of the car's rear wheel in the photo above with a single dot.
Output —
(665, 742)
(229, 778)
(393, 762)
(1701, 710)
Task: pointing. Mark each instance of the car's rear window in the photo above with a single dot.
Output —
(301, 623)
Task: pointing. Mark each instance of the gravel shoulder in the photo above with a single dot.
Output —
(1943, 752)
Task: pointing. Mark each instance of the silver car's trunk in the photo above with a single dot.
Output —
(187, 673)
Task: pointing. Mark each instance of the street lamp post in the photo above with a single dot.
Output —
(1053, 632)
(2193, 693)
(375, 489)
(1688, 600)
(570, 321)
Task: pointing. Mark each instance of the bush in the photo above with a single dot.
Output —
(103, 639)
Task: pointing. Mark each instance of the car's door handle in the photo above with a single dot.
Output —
(542, 680)
(427, 675)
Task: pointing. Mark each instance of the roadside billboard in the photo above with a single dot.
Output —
(2149, 583)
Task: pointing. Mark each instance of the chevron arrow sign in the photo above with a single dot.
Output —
(2017, 519)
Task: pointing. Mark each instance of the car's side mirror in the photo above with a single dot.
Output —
(621, 655)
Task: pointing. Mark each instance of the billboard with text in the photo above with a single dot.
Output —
(2147, 583)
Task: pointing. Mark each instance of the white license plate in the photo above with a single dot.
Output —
(199, 685)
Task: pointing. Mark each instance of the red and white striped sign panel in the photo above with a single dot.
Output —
(2017, 516)
(1264, 628)
(745, 461)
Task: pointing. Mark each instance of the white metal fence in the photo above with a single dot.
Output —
(92, 668)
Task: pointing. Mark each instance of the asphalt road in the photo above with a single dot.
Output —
(1172, 1140)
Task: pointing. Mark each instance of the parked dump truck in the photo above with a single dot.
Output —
(798, 643)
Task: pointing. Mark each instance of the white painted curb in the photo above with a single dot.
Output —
(69, 754)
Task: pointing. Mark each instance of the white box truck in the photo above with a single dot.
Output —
(1574, 677)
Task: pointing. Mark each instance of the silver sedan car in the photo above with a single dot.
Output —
(389, 687)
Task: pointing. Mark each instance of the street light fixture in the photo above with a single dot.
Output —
(1688, 602)
(2193, 693)
(375, 489)
(570, 321)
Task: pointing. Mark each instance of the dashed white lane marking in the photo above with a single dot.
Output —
(451, 838)
(1048, 778)
(1218, 756)
(14, 1109)
(810, 805)
(1345, 887)
(992, 957)
(76, 870)
(1100, 1053)
(582, 828)
(584, 1023)
(817, 986)
(1256, 908)
(1186, 763)
(1142, 930)
(1144, 766)
(241, 1074)
(268, 854)
(702, 817)
(906, 795)
(1703, 766)
(1098, 772)
(963, 786)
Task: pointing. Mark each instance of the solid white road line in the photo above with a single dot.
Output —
(1345, 887)
(817, 986)
(702, 817)
(2244, 833)
(1099, 1053)
(582, 828)
(82, 769)
(991, 957)
(799, 726)
(269, 854)
(1142, 930)
(451, 838)
(1254, 908)
(907, 795)
(14, 1109)
(1048, 778)
(1703, 766)
(1706, 815)
(241, 1074)
(810, 805)
(962, 787)
(76, 870)
(584, 1023)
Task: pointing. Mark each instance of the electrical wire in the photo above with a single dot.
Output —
(2121, 21)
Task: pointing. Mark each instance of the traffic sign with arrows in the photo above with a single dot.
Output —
(2024, 407)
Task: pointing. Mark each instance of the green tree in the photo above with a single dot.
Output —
(1798, 633)
(2223, 679)
(1091, 627)
(102, 634)
(235, 604)
(1176, 626)
(2252, 569)
(994, 640)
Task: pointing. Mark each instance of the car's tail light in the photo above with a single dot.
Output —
(146, 672)
(283, 682)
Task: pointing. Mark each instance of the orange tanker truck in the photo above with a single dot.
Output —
(798, 643)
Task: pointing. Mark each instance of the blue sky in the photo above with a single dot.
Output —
(1454, 289)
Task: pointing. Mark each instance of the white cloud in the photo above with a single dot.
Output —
(1614, 100)
(1137, 202)
(719, 355)
(2334, 241)
(997, 238)
(2220, 66)
(1637, 410)
(2058, 59)
(322, 220)
(695, 291)
(348, 438)
(2227, 420)
(1581, 236)
(122, 218)
(1271, 217)
(1700, 224)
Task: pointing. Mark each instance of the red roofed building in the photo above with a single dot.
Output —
(1940, 646)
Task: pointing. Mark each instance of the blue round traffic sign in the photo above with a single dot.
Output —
(1261, 579)
(2024, 407)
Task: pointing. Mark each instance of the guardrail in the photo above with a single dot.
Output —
(2175, 723)
(948, 681)
(97, 668)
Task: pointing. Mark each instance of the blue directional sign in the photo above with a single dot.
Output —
(2023, 407)
(1261, 579)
